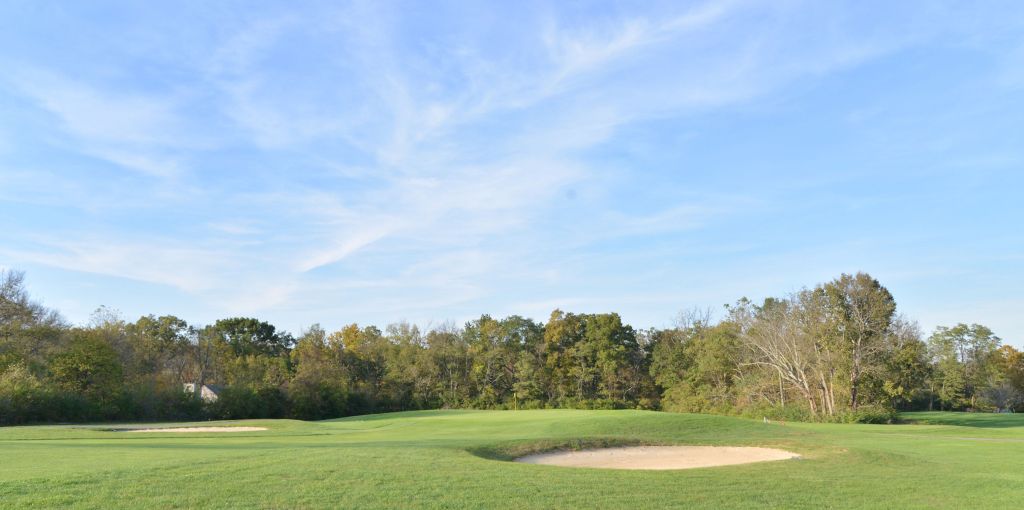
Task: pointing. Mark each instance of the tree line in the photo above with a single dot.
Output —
(835, 352)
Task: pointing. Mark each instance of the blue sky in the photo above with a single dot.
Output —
(321, 162)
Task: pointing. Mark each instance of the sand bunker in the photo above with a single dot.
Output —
(198, 429)
(659, 457)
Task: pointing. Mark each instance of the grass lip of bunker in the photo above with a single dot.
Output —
(659, 457)
(180, 430)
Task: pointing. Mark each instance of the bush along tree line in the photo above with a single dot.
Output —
(835, 352)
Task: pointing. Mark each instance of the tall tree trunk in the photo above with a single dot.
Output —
(855, 375)
(782, 394)
(853, 394)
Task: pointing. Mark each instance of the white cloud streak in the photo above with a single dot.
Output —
(134, 131)
(445, 155)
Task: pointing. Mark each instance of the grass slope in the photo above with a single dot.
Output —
(454, 459)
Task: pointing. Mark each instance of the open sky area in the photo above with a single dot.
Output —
(430, 161)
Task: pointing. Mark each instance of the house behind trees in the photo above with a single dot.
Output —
(208, 392)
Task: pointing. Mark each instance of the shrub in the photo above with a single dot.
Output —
(871, 414)
(784, 413)
(318, 401)
(242, 403)
(21, 394)
(157, 400)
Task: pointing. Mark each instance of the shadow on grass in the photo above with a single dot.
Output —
(980, 420)
(513, 450)
(390, 415)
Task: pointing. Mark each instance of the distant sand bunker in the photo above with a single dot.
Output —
(199, 429)
(659, 457)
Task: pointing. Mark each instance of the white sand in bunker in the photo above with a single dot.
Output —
(198, 429)
(659, 457)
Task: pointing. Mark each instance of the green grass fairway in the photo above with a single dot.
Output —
(454, 459)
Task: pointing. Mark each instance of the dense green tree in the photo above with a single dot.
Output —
(23, 396)
(697, 365)
(1009, 363)
(162, 345)
(319, 387)
(858, 314)
(248, 336)
(591, 359)
(452, 363)
(406, 378)
(502, 354)
(966, 361)
(89, 366)
(905, 369)
(365, 353)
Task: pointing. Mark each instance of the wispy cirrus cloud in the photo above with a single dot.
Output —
(135, 131)
(430, 180)
(157, 261)
(370, 157)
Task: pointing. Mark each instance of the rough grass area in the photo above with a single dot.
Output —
(458, 459)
